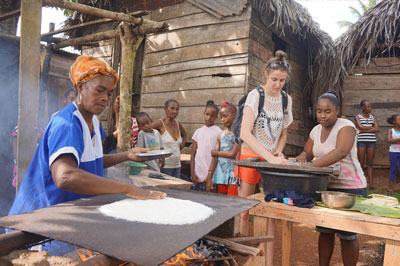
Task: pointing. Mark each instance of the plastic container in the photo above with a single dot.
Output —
(304, 183)
(136, 168)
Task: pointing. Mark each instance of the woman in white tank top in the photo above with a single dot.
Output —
(173, 136)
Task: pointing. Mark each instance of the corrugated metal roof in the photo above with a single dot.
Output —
(221, 8)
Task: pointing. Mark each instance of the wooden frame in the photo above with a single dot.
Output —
(381, 227)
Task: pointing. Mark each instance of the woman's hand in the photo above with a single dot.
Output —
(214, 153)
(140, 193)
(301, 158)
(278, 153)
(132, 153)
(195, 180)
(278, 160)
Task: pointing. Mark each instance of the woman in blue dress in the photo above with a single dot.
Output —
(68, 162)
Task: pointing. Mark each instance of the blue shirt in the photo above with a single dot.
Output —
(67, 133)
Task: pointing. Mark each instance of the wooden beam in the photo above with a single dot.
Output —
(17, 240)
(251, 240)
(17, 38)
(29, 84)
(85, 24)
(11, 14)
(99, 12)
(106, 35)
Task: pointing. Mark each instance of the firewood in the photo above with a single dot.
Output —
(239, 248)
(251, 240)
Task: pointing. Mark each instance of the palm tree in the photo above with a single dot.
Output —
(358, 14)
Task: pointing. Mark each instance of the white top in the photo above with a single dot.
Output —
(173, 161)
(395, 147)
(351, 174)
(206, 138)
(268, 136)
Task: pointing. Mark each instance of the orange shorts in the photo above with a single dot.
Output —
(248, 175)
(228, 189)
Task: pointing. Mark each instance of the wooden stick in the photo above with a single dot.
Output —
(17, 239)
(254, 240)
(234, 262)
(11, 14)
(97, 11)
(194, 261)
(93, 22)
(239, 248)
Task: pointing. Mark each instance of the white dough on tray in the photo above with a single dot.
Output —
(169, 211)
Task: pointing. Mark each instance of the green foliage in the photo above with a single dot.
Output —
(357, 13)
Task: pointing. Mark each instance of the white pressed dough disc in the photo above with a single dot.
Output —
(168, 211)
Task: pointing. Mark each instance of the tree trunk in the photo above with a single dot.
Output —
(9, 26)
(129, 45)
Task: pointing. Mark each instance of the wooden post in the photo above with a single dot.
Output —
(129, 46)
(29, 84)
(392, 253)
(261, 229)
(286, 242)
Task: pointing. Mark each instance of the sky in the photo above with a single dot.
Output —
(325, 12)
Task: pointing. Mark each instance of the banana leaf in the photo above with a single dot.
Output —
(374, 210)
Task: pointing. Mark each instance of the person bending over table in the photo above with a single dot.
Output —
(68, 163)
(332, 142)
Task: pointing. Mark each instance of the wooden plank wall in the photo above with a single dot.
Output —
(185, 63)
(261, 48)
(378, 82)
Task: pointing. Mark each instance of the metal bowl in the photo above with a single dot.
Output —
(334, 199)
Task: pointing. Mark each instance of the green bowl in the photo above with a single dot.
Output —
(136, 168)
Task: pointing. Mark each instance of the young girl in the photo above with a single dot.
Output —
(221, 168)
(366, 139)
(333, 142)
(204, 140)
(394, 150)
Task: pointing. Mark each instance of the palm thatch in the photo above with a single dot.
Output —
(372, 35)
(287, 16)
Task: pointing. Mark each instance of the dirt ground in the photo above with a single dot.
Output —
(305, 240)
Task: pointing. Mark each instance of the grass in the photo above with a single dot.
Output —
(384, 192)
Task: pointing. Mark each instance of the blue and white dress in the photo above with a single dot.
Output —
(223, 173)
(67, 133)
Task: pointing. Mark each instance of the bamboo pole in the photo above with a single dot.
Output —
(129, 46)
(11, 14)
(29, 84)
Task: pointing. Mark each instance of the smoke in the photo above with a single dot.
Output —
(9, 68)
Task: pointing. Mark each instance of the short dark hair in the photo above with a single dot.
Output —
(141, 115)
(170, 101)
(363, 102)
(211, 104)
(331, 96)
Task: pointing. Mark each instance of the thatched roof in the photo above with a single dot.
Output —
(371, 36)
(287, 16)
(283, 16)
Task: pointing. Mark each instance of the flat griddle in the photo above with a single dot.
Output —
(286, 168)
(80, 223)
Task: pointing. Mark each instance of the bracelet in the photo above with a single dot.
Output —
(210, 171)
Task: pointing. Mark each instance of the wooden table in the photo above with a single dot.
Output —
(387, 228)
(143, 180)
